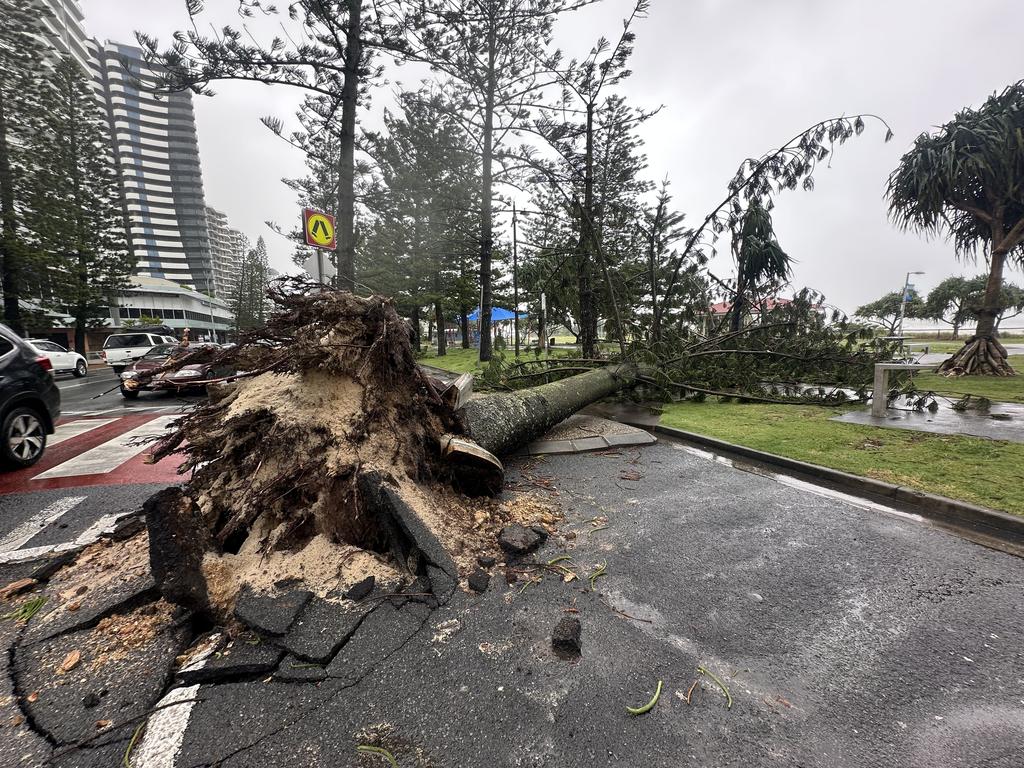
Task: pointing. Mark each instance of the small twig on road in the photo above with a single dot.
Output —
(649, 705)
(689, 693)
(721, 685)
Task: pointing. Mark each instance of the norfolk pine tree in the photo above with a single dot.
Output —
(73, 208)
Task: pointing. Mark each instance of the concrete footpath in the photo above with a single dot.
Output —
(846, 634)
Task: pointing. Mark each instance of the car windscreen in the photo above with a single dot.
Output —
(122, 340)
(161, 352)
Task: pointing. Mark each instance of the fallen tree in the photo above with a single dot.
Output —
(332, 456)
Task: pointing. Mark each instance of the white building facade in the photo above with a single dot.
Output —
(157, 152)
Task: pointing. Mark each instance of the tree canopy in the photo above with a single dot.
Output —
(966, 181)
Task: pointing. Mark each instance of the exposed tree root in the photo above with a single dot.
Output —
(980, 355)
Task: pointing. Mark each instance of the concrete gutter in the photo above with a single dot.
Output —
(987, 526)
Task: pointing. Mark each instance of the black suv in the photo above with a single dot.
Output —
(29, 401)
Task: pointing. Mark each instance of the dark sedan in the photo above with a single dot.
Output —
(29, 401)
(187, 378)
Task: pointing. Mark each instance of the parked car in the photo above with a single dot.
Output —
(29, 401)
(63, 361)
(181, 380)
(122, 349)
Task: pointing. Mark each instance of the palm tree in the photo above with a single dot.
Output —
(966, 181)
(759, 258)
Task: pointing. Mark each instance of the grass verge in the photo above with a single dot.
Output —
(1007, 388)
(985, 472)
(459, 360)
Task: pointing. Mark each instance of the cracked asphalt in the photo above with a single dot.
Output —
(845, 636)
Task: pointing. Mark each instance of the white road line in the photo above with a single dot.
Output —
(20, 535)
(165, 729)
(109, 456)
(104, 525)
(74, 429)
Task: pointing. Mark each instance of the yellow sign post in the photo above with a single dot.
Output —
(319, 229)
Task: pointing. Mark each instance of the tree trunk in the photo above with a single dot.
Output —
(736, 316)
(346, 234)
(486, 211)
(442, 337)
(414, 319)
(982, 353)
(584, 271)
(502, 422)
(652, 276)
(10, 277)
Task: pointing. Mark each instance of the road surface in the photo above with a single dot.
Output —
(846, 633)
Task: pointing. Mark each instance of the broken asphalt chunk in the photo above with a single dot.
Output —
(361, 589)
(270, 614)
(520, 540)
(321, 630)
(478, 580)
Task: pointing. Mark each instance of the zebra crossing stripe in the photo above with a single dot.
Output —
(111, 454)
(74, 429)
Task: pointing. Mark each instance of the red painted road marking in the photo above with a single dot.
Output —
(132, 471)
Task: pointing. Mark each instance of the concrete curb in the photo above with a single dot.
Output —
(950, 512)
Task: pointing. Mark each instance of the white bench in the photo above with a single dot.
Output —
(880, 393)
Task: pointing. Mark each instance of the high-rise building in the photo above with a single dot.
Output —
(227, 248)
(63, 25)
(154, 137)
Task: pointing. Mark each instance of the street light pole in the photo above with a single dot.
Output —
(903, 299)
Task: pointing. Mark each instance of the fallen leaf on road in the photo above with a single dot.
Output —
(17, 720)
(32, 697)
(74, 606)
(101, 724)
(70, 662)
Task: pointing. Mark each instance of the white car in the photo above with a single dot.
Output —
(122, 349)
(61, 359)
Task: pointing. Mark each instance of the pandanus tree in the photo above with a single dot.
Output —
(966, 181)
(759, 259)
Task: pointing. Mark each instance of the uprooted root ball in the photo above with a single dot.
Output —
(332, 392)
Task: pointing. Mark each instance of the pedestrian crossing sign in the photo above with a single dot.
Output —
(319, 229)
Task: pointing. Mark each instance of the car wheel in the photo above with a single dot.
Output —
(81, 369)
(129, 394)
(23, 437)
(118, 369)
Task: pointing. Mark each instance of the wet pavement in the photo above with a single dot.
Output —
(846, 635)
(1001, 421)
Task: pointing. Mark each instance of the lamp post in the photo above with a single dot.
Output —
(903, 299)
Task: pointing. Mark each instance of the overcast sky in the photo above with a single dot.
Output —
(736, 78)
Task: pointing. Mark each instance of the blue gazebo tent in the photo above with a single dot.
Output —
(497, 315)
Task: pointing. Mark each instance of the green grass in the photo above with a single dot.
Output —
(1006, 388)
(986, 472)
(459, 360)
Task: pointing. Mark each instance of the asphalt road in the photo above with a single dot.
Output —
(98, 394)
(846, 636)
